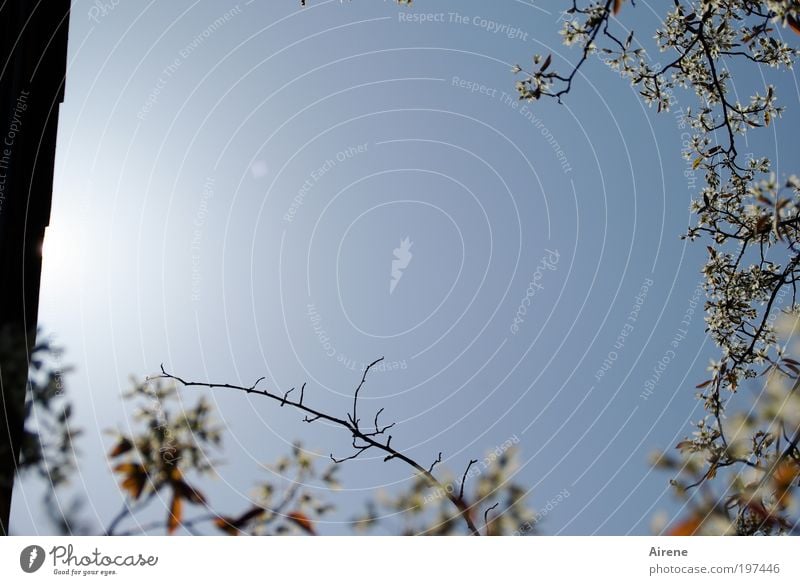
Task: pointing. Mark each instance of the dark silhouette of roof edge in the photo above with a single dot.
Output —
(33, 35)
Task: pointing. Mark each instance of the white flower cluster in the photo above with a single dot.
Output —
(750, 218)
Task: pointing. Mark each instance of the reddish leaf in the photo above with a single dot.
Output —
(227, 525)
(785, 475)
(123, 446)
(233, 526)
(127, 467)
(764, 516)
(175, 513)
(135, 478)
(793, 23)
(686, 527)
(184, 490)
(302, 521)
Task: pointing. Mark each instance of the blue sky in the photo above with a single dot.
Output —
(229, 197)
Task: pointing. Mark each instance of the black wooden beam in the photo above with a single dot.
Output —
(33, 37)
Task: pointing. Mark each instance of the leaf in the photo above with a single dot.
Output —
(793, 23)
(232, 526)
(135, 478)
(227, 525)
(175, 513)
(134, 485)
(686, 527)
(764, 515)
(546, 63)
(787, 472)
(184, 490)
(123, 446)
(697, 162)
(302, 521)
(66, 413)
(617, 6)
(704, 384)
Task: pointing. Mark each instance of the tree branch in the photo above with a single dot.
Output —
(350, 423)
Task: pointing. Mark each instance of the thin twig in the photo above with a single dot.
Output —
(464, 478)
(368, 440)
(486, 516)
(438, 460)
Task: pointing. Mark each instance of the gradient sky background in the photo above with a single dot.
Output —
(169, 243)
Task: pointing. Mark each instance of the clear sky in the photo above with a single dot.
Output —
(235, 180)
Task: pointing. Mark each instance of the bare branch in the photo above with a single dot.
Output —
(486, 516)
(353, 417)
(350, 423)
(358, 452)
(464, 478)
(438, 460)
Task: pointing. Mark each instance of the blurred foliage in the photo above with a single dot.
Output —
(739, 470)
(172, 448)
(496, 502)
(47, 447)
(172, 445)
(752, 458)
(169, 454)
